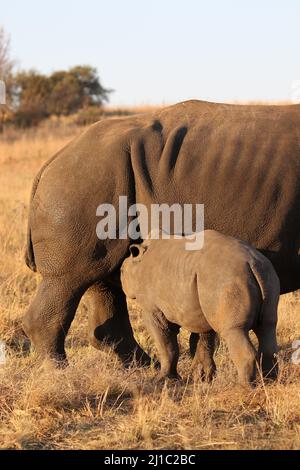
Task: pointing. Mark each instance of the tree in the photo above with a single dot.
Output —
(30, 92)
(75, 89)
(36, 96)
(65, 96)
(6, 68)
(6, 63)
(91, 89)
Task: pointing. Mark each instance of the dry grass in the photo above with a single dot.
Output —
(95, 403)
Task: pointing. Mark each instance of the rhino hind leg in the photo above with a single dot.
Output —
(109, 324)
(266, 335)
(267, 347)
(164, 335)
(242, 353)
(203, 361)
(50, 315)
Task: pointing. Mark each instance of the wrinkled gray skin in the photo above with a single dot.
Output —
(241, 162)
(227, 287)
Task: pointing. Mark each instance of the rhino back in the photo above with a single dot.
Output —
(241, 162)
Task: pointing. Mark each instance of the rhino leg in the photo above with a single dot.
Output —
(109, 323)
(267, 351)
(242, 353)
(164, 335)
(193, 342)
(50, 315)
(203, 360)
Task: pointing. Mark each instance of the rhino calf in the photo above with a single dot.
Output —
(227, 287)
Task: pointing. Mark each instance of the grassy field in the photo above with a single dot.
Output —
(95, 403)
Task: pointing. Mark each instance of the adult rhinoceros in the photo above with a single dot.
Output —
(241, 162)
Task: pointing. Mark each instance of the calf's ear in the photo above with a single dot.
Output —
(136, 250)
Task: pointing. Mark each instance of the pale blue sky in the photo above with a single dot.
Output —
(163, 51)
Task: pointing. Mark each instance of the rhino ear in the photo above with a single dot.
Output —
(155, 234)
(136, 250)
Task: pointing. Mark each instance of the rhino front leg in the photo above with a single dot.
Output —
(193, 342)
(109, 323)
(203, 361)
(50, 315)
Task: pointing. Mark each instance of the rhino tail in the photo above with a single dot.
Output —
(269, 286)
(258, 275)
(29, 254)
